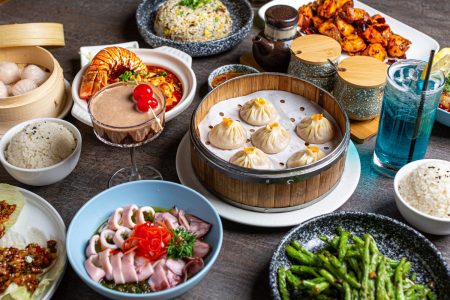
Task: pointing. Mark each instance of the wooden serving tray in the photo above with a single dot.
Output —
(360, 131)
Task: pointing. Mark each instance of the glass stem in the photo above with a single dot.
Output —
(134, 170)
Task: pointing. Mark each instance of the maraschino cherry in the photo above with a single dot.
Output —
(143, 96)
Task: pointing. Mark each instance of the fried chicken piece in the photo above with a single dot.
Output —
(353, 44)
(317, 21)
(305, 13)
(328, 9)
(328, 28)
(377, 19)
(397, 46)
(378, 33)
(344, 28)
(376, 50)
(341, 3)
(351, 14)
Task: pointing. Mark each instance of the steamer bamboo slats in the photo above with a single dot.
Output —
(273, 190)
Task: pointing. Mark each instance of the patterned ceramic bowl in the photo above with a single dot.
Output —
(241, 13)
(229, 68)
(394, 239)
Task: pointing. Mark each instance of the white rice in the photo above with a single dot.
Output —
(427, 189)
(40, 145)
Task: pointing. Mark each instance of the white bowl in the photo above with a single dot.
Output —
(417, 219)
(41, 176)
(169, 58)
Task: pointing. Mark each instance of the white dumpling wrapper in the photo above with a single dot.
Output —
(272, 138)
(35, 73)
(305, 157)
(315, 129)
(258, 112)
(9, 72)
(3, 90)
(228, 135)
(23, 86)
(252, 158)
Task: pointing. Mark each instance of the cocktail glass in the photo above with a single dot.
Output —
(131, 136)
(402, 96)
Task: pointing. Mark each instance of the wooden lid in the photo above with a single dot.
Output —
(316, 49)
(31, 34)
(363, 71)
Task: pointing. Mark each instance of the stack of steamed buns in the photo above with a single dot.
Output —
(271, 138)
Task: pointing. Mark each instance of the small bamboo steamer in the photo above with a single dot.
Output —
(49, 98)
(269, 190)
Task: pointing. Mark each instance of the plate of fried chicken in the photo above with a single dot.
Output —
(360, 29)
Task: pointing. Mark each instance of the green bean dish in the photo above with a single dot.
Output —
(350, 268)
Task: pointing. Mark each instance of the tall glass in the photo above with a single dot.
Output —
(402, 96)
(117, 122)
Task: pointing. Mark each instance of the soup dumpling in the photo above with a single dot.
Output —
(228, 135)
(258, 112)
(315, 129)
(272, 138)
(252, 158)
(305, 157)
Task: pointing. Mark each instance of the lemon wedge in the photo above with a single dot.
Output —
(441, 61)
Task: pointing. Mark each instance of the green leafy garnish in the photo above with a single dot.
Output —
(163, 73)
(125, 76)
(194, 3)
(182, 244)
(447, 85)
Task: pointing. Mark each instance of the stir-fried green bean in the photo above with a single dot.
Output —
(349, 268)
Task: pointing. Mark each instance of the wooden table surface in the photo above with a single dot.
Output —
(241, 271)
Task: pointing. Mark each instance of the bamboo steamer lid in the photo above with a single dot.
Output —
(316, 49)
(32, 34)
(363, 71)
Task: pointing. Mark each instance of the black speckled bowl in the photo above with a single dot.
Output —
(393, 238)
(241, 13)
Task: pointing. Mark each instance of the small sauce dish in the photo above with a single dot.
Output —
(227, 72)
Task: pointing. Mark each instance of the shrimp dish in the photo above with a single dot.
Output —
(147, 249)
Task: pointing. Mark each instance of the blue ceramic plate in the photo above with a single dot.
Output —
(241, 13)
(443, 117)
(154, 193)
(393, 238)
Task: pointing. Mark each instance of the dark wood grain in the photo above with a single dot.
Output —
(241, 270)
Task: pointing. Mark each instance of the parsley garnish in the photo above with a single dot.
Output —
(447, 85)
(194, 3)
(182, 244)
(163, 73)
(125, 76)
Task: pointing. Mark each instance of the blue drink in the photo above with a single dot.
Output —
(399, 114)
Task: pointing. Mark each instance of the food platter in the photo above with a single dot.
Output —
(336, 198)
(167, 57)
(46, 224)
(421, 42)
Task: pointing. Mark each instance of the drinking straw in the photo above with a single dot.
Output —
(420, 110)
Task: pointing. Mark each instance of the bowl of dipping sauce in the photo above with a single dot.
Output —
(227, 72)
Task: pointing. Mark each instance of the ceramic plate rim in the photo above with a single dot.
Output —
(49, 210)
(261, 216)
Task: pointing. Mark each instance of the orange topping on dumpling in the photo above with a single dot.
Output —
(313, 149)
(260, 101)
(249, 150)
(227, 121)
(317, 117)
(273, 125)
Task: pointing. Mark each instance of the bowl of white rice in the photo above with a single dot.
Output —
(40, 152)
(422, 195)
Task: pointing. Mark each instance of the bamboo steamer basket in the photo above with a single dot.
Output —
(49, 98)
(269, 190)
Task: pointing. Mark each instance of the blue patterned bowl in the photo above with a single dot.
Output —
(230, 68)
(393, 238)
(241, 13)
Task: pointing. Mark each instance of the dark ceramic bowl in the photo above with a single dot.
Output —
(394, 239)
(241, 13)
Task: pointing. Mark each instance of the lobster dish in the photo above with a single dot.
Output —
(114, 64)
(356, 31)
(147, 249)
